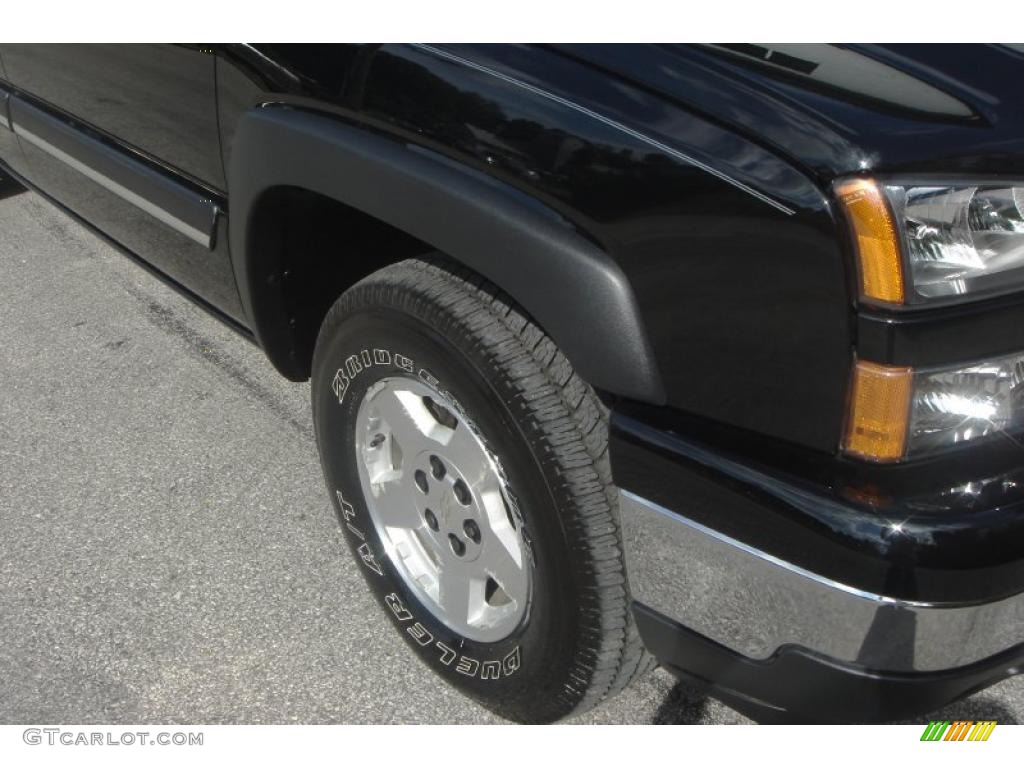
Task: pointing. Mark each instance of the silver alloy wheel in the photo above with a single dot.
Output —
(442, 508)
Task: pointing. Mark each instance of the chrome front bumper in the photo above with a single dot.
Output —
(754, 603)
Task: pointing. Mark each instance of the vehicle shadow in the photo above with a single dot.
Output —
(685, 704)
(9, 187)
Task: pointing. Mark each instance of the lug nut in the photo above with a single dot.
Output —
(462, 493)
(437, 467)
(472, 530)
(421, 480)
(431, 519)
(377, 440)
(458, 546)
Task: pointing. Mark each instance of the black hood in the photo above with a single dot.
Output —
(946, 109)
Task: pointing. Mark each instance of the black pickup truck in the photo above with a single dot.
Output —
(710, 356)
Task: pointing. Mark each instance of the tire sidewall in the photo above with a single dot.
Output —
(525, 675)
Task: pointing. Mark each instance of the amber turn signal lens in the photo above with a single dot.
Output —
(876, 240)
(879, 408)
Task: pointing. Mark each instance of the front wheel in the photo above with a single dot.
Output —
(468, 466)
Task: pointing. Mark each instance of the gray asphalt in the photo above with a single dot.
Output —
(167, 550)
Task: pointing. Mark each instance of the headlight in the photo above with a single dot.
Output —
(898, 413)
(925, 243)
(954, 406)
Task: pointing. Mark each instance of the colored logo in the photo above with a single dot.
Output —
(959, 730)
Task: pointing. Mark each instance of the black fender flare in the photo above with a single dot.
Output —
(569, 285)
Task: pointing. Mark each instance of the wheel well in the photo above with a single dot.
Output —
(306, 250)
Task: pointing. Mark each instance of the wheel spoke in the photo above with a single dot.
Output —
(505, 567)
(393, 505)
(457, 593)
(406, 417)
(463, 449)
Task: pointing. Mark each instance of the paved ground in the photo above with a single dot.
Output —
(168, 553)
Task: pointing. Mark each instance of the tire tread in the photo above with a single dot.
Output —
(573, 424)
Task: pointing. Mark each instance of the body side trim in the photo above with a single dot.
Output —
(170, 202)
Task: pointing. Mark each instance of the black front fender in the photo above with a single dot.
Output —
(570, 286)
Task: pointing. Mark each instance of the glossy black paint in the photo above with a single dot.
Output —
(159, 100)
(944, 336)
(712, 287)
(703, 172)
(947, 529)
(704, 175)
(842, 109)
(157, 105)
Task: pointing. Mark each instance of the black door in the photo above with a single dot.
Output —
(126, 137)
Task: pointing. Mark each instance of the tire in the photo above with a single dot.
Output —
(548, 631)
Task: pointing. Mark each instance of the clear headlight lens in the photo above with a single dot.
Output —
(960, 240)
(954, 406)
(897, 412)
(940, 241)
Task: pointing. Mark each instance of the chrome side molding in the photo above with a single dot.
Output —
(754, 603)
(183, 209)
